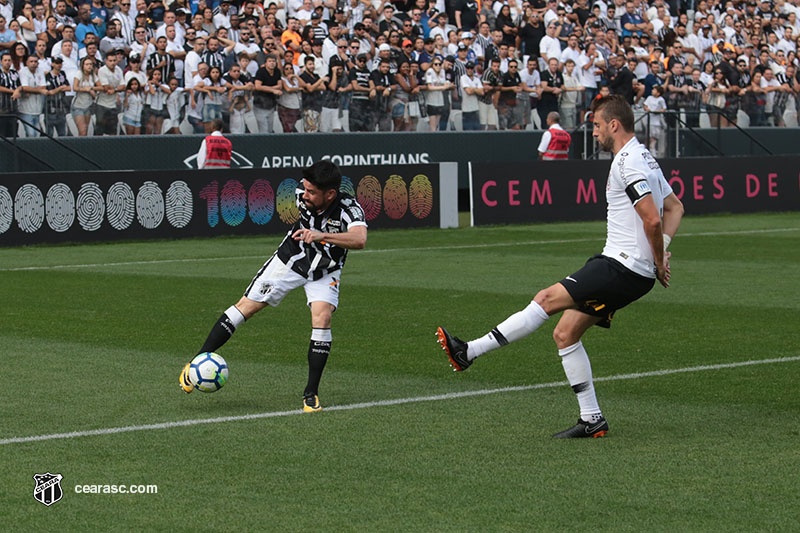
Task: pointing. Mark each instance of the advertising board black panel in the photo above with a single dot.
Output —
(546, 191)
(109, 206)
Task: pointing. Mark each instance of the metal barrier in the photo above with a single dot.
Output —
(677, 122)
(43, 133)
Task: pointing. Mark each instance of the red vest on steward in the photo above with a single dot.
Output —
(218, 152)
(559, 145)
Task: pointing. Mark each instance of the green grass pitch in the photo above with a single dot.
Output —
(94, 336)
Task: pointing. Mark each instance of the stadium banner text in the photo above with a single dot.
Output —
(547, 191)
(108, 206)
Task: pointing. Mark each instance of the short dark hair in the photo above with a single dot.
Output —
(615, 106)
(324, 174)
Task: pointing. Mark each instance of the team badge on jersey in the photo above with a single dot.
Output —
(266, 288)
(48, 488)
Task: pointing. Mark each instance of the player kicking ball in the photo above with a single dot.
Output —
(633, 258)
(311, 256)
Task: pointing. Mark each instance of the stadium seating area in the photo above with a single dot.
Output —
(71, 67)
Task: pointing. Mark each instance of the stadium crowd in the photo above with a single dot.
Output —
(145, 66)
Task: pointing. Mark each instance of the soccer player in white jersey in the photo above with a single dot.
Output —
(643, 217)
(311, 256)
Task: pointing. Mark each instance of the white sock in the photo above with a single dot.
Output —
(579, 374)
(235, 316)
(511, 329)
(321, 334)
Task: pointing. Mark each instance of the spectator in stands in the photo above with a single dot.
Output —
(56, 104)
(110, 77)
(487, 102)
(551, 88)
(132, 106)
(289, 101)
(571, 96)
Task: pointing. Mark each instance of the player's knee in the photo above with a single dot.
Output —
(546, 300)
(564, 337)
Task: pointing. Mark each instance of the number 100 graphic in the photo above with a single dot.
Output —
(234, 202)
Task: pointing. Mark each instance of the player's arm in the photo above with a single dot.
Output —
(355, 238)
(673, 213)
(653, 230)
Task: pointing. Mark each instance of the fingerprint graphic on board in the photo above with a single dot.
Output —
(347, 186)
(90, 206)
(120, 205)
(6, 209)
(261, 202)
(369, 196)
(60, 207)
(150, 205)
(232, 202)
(179, 204)
(420, 196)
(287, 209)
(29, 208)
(395, 197)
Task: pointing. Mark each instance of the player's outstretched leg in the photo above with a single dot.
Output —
(515, 327)
(318, 351)
(222, 330)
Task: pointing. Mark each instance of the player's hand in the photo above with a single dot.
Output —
(307, 236)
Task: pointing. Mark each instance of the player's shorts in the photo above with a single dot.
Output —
(604, 285)
(275, 280)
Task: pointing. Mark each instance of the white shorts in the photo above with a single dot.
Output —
(329, 120)
(487, 114)
(275, 280)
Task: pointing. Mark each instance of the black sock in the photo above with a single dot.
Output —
(318, 352)
(219, 334)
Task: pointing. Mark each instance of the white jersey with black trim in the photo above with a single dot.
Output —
(318, 259)
(634, 174)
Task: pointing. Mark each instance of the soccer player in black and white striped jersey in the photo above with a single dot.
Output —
(311, 256)
(634, 257)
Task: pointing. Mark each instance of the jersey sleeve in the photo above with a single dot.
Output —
(633, 172)
(352, 213)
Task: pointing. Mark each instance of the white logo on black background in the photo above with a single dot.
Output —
(48, 488)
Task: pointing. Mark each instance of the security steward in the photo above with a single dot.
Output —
(555, 141)
(215, 151)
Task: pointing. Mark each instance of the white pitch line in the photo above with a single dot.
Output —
(382, 250)
(384, 403)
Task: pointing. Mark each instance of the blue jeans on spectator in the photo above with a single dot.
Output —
(197, 124)
(470, 120)
(28, 120)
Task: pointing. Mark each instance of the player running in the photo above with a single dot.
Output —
(311, 255)
(634, 256)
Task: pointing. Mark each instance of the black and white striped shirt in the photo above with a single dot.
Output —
(318, 259)
(9, 80)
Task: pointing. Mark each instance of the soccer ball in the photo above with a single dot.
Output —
(208, 372)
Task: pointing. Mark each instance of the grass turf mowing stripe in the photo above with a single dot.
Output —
(384, 250)
(383, 403)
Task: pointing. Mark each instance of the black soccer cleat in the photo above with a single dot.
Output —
(455, 348)
(585, 429)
